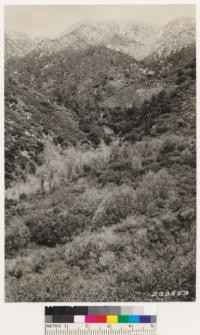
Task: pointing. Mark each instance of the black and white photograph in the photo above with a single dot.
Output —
(100, 153)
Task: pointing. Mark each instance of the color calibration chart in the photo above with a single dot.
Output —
(101, 320)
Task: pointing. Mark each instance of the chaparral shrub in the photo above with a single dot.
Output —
(116, 205)
(17, 236)
(47, 229)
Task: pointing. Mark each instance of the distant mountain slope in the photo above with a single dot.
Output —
(79, 79)
(90, 62)
(185, 57)
(136, 39)
(18, 44)
(169, 80)
(177, 34)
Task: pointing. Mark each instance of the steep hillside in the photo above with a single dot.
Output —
(174, 36)
(59, 95)
(30, 117)
(174, 67)
(74, 65)
(18, 44)
(133, 94)
(176, 78)
(72, 88)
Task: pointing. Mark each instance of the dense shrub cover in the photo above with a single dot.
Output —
(47, 230)
(17, 236)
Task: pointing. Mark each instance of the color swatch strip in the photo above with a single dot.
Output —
(100, 318)
(98, 314)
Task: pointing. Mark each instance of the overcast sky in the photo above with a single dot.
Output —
(50, 20)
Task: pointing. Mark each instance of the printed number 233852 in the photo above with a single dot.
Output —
(173, 293)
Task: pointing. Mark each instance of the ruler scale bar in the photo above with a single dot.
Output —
(101, 329)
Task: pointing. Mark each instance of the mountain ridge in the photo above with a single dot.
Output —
(137, 39)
